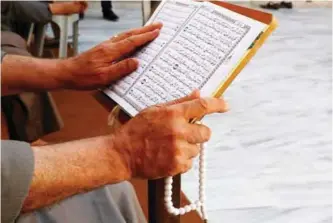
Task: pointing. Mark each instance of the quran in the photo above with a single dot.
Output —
(202, 45)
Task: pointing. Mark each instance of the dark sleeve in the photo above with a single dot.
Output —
(17, 166)
(29, 11)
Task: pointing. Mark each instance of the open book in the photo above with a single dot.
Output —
(199, 45)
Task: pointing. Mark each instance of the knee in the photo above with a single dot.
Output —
(123, 189)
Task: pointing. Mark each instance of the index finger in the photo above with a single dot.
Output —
(136, 31)
(129, 44)
(201, 107)
(195, 94)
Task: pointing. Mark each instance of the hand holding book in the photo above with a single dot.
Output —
(199, 45)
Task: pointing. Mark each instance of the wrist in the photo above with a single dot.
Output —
(121, 144)
(39, 74)
(67, 70)
(55, 70)
(118, 152)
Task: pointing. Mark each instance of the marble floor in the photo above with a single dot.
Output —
(94, 29)
(270, 158)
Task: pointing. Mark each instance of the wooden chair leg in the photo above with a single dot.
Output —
(156, 210)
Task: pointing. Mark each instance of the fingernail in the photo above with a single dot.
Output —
(195, 93)
(157, 24)
(156, 31)
(136, 61)
(226, 106)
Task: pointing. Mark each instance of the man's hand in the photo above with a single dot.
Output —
(160, 141)
(67, 8)
(97, 67)
(103, 64)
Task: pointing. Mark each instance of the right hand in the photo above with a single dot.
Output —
(160, 141)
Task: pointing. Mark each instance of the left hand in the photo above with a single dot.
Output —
(105, 63)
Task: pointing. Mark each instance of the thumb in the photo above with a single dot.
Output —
(194, 95)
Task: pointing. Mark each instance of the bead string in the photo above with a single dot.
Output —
(200, 204)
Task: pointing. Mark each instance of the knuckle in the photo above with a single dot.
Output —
(203, 103)
(105, 44)
(146, 113)
(196, 149)
(172, 165)
(130, 40)
(149, 35)
(190, 137)
(118, 48)
(180, 131)
(128, 65)
(133, 63)
(175, 132)
(159, 106)
(128, 34)
(146, 110)
(206, 133)
(160, 109)
(170, 113)
(104, 49)
(178, 165)
(103, 78)
(187, 166)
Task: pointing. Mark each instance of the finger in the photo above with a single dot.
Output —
(129, 44)
(182, 166)
(202, 106)
(137, 31)
(120, 69)
(191, 150)
(194, 95)
(187, 166)
(197, 133)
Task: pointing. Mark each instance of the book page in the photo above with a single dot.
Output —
(199, 45)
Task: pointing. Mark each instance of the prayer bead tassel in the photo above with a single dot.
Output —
(200, 204)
